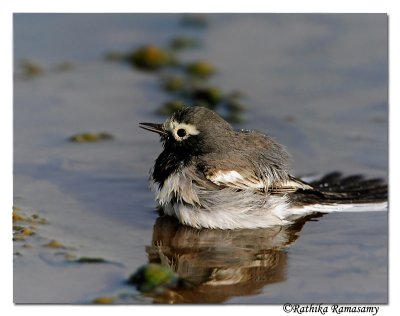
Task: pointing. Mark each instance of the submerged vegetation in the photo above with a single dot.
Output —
(27, 235)
(90, 137)
(184, 42)
(185, 82)
(154, 277)
(29, 69)
(150, 58)
(200, 69)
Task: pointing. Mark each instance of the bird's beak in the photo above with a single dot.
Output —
(152, 127)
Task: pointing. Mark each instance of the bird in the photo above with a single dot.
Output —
(211, 176)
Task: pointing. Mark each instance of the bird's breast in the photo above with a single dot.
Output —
(177, 187)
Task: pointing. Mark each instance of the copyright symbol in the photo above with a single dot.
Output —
(287, 307)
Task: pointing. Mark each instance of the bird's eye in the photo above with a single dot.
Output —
(181, 132)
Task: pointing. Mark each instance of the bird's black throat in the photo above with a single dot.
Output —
(173, 158)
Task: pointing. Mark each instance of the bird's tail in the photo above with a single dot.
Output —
(334, 192)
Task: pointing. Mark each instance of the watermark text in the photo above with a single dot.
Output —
(330, 309)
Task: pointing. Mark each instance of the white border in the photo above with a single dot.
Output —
(361, 6)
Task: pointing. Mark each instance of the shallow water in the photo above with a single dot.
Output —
(317, 83)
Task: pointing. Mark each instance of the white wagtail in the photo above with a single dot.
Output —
(211, 176)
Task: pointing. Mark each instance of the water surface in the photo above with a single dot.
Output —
(317, 83)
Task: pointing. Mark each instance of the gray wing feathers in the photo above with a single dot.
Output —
(262, 165)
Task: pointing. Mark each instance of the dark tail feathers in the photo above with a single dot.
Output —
(334, 188)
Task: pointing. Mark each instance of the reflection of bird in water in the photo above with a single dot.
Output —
(219, 264)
